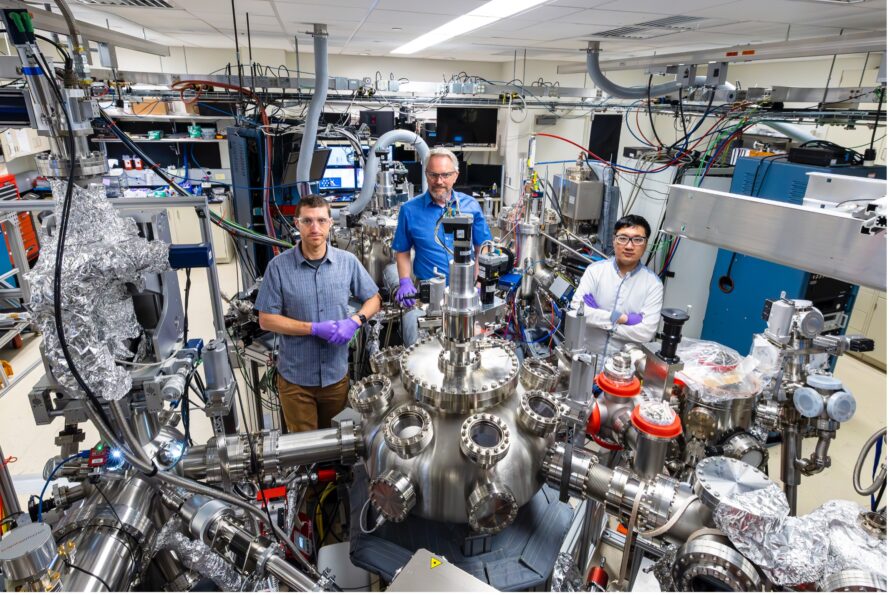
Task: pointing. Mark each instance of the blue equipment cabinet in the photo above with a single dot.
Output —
(734, 308)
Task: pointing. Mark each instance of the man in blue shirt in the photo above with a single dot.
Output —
(304, 298)
(419, 229)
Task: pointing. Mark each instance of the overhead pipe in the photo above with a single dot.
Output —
(791, 131)
(599, 79)
(310, 130)
(373, 164)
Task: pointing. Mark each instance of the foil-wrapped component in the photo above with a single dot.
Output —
(789, 550)
(566, 577)
(658, 413)
(851, 546)
(197, 556)
(796, 550)
(716, 372)
(103, 255)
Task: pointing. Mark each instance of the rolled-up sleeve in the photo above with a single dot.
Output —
(269, 298)
(401, 241)
(361, 285)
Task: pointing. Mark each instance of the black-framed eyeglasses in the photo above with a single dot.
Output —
(622, 240)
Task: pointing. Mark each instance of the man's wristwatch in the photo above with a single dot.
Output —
(362, 318)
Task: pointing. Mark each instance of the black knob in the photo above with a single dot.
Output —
(673, 318)
(860, 344)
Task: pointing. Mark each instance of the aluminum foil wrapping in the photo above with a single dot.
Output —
(767, 366)
(197, 556)
(566, 577)
(789, 550)
(103, 253)
(657, 412)
(851, 547)
(716, 372)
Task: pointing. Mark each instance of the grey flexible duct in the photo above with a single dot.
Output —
(617, 91)
(373, 164)
(791, 131)
(310, 131)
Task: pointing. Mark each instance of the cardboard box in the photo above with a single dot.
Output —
(150, 106)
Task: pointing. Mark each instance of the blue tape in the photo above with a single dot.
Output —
(32, 71)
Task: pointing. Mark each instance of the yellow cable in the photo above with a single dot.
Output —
(318, 512)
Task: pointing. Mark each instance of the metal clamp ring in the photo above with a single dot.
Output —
(539, 413)
(536, 374)
(371, 394)
(484, 439)
(407, 430)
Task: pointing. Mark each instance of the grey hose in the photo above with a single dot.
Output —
(310, 131)
(373, 164)
(595, 72)
(860, 461)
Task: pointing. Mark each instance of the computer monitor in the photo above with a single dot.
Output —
(483, 176)
(380, 122)
(467, 126)
(337, 119)
(341, 179)
(316, 168)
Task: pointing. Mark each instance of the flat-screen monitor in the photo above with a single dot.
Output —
(316, 168)
(380, 122)
(341, 179)
(337, 119)
(483, 176)
(467, 125)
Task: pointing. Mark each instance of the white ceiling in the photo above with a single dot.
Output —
(556, 30)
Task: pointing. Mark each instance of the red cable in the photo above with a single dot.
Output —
(606, 445)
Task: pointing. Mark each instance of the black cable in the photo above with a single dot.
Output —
(877, 119)
(878, 497)
(649, 109)
(185, 315)
(60, 250)
(65, 55)
(683, 116)
(70, 564)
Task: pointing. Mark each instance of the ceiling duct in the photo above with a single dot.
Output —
(128, 3)
(651, 29)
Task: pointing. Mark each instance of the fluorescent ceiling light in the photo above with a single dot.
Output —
(480, 17)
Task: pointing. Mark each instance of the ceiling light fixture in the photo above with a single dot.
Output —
(486, 14)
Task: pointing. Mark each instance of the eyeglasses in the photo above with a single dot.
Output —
(309, 221)
(622, 240)
(442, 176)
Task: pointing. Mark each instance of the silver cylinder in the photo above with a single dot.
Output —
(290, 576)
(7, 489)
(575, 329)
(304, 448)
(581, 378)
(109, 559)
(217, 369)
(651, 454)
(26, 553)
(437, 295)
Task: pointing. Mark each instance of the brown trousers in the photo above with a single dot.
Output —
(311, 407)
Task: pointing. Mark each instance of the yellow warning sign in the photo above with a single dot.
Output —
(434, 562)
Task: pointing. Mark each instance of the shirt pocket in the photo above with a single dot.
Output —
(334, 293)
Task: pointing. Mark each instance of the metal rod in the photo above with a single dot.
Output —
(572, 250)
(7, 489)
(586, 243)
(219, 321)
(237, 48)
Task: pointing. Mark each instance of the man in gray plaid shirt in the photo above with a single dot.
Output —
(304, 298)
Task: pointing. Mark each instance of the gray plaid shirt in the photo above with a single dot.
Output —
(294, 288)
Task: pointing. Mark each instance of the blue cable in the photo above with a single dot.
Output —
(82, 454)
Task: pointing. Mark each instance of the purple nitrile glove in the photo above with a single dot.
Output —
(634, 318)
(324, 330)
(406, 290)
(345, 330)
(590, 300)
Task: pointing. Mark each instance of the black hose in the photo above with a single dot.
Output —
(649, 109)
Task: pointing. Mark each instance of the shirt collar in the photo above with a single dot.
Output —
(428, 199)
(632, 272)
(298, 254)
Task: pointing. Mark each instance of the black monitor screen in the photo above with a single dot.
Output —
(484, 176)
(337, 119)
(467, 126)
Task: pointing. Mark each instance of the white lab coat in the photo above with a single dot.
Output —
(638, 291)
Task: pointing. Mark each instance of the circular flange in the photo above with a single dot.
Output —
(539, 413)
(371, 394)
(393, 495)
(484, 439)
(536, 374)
(717, 479)
(746, 448)
(386, 361)
(491, 508)
(854, 580)
(474, 390)
(710, 563)
(407, 430)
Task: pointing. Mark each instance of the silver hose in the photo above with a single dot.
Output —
(860, 461)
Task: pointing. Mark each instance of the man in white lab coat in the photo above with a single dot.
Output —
(622, 298)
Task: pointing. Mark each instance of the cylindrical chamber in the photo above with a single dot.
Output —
(217, 369)
(575, 329)
(105, 559)
(656, 427)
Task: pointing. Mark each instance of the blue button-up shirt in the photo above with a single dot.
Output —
(417, 224)
(294, 288)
